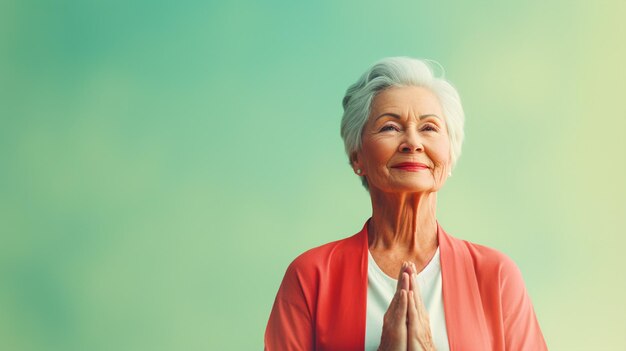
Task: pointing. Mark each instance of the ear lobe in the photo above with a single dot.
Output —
(356, 165)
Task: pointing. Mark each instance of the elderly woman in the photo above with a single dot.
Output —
(402, 282)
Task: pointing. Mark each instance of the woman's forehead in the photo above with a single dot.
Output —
(401, 100)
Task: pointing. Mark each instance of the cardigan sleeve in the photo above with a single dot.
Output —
(290, 326)
(521, 329)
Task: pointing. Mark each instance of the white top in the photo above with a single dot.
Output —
(380, 291)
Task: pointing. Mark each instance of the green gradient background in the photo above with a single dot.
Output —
(163, 162)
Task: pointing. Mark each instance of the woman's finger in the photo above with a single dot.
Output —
(401, 309)
(415, 287)
(402, 270)
(405, 284)
(411, 268)
(419, 304)
(395, 333)
(413, 320)
(420, 336)
(413, 277)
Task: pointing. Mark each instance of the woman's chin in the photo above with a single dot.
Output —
(408, 187)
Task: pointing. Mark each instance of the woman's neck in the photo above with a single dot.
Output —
(403, 222)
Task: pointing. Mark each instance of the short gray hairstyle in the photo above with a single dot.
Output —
(398, 72)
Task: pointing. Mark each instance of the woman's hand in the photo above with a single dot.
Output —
(406, 325)
(420, 337)
(395, 332)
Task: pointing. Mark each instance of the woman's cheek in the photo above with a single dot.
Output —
(441, 178)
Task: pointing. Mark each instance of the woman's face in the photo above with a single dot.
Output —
(405, 145)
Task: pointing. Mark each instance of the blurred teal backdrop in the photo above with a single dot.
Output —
(161, 163)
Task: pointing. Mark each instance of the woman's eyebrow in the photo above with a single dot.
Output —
(398, 116)
(429, 115)
(390, 115)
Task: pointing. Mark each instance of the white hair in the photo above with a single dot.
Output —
(398, 72)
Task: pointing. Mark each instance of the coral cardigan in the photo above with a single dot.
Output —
(321, 303)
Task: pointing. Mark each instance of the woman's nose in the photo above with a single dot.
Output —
(411, 143)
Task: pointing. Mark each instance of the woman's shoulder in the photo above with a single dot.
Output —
(487, 254)
(491, 262)
(328, 253)
(323, 263)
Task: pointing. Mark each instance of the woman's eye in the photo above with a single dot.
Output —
(388, 127)
(429, 127)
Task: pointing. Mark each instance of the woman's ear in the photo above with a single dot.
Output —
(356, 164)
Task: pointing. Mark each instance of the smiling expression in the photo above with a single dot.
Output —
(405, 145)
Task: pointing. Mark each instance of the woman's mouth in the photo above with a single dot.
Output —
(410, 166)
